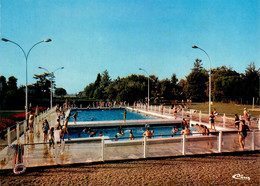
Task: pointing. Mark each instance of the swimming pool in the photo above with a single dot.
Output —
(159, 132)
(106, 115)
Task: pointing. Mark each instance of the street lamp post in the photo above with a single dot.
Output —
(26, 59)
(148, 85)
(196, 47)
(51, 79)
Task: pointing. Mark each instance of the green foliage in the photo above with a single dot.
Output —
(196, 83)
(226, 84)
(60, 91)
(251, 81)
(96, 90)
(43, 84)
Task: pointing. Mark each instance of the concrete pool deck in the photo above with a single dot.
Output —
(37, 154)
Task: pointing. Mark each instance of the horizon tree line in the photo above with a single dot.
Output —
(227, 86)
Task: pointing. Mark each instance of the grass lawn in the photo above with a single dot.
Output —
(227, 108)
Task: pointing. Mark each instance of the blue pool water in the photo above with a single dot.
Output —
(107, 115)
(159, 132)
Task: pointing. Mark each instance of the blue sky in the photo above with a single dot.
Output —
(123, 35)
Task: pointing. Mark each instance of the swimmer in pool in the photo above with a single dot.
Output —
(121, 133)
(148, 133)
(92, 134)
(186, 131)
(131, 136)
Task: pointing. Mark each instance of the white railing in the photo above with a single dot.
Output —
(102, 149)
(222, 117)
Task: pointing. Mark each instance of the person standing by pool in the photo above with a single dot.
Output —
(51, 138)
(31, 120)
(75, 117)
(175, 111)
(212, 120)
(184, 122)
(125, 115)
(45, 129)
(57, 124)
(161, 109)
(236, 121)
(242, 133)
(66, 127)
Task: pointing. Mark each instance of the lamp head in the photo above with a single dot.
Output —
(62, 68)
(140, 69)
(40, 67)
(47, 40)
(4, 39)
(194, 46)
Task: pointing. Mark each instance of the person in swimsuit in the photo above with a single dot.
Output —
(175, 111)
(62, 134)
(45, 129)
(75, 117)
(245, 114)
(242, 133)
(184, 122)
(212, 120)
(31, 119)
(58, 125)
(125, 115)
(236, 121)
(148, 133)
(51, 138)
(131, 136)
(161, 109)
(174, 130)
(66, 127)
(186, 131)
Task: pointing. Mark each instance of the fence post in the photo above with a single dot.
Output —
(17, 132)
(200, 116)
(182, 113)
(145, 140)
(253, 140)
(102, 148)
(183, 144)
(258, 123)
(56, 150)
(224, 120)
(8, 136)
(220, 141)
(24, 126)
(190, 114)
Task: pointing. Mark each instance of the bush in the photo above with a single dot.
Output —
(5, 123)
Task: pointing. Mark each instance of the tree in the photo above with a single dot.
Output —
(196, 84)
(225, 83)
(3, 90)
(43, 84)
(251, 82)
(197, 65)
(12, 83)
(60, 91)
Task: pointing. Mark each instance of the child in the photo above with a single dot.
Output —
(51, 138)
